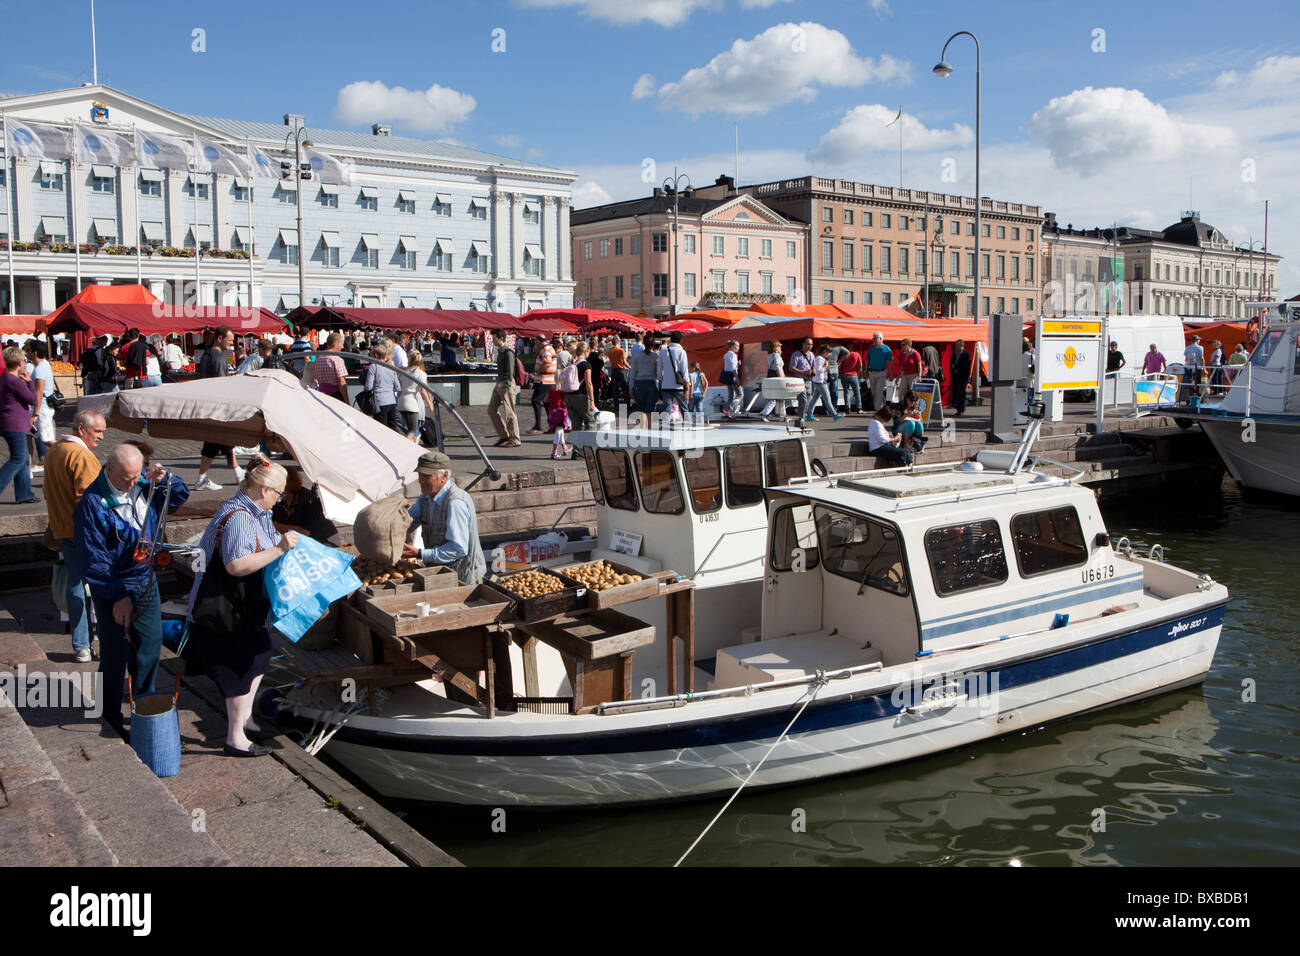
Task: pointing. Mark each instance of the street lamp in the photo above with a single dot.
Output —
(675, 184)
(942, 68)
(301, 173)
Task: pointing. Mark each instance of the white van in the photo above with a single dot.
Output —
(1134, 335)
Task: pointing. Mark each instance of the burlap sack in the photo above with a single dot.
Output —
(380, 529)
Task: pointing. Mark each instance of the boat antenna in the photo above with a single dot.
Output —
(94, 57)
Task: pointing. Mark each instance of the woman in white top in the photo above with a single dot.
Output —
(411, 397)
(775, 369)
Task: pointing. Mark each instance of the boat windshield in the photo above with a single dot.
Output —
(1264, 350)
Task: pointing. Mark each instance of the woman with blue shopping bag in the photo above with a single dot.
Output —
(229, 607)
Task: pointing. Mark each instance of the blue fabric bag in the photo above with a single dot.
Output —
(303, 582)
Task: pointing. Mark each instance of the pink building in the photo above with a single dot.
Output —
(731, 250)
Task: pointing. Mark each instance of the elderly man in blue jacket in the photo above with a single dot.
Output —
(116, 514)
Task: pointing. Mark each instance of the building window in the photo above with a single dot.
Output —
(828, 214)
(984, 230)
(1002, 232)
(848, 297)
(886, 255)
(902, 260)
(1002, 267)
(1029, 268)
(329, 200)
(828, 297)
(866, 298)
(586, 250)
(765, 248)
(618, 246)
(688, 285)
(742, 247)
(290, 255)
(1015, 232)
(370, 258)
(955, 264)
(1029, 306)
(886, 299)
(866, 219)
(765, 280)
(441, 207)
(984, 305)
(970, 265)
(955, 228)
(719, 281)
(477, 209)
(634, 246)
(532, 263)
(586, 289)
(287, 193)
(408, 259)
(867, 263)
(618, 287)
(636, 285)
(742, 282)
(329, 256)
(150, 187)
(478, 262)
(790, 251)
(604, 248)
(532, 214)
(847, 257)
(984, 265)
(1002, 304)
(661, 285)
(604, 288)
(789, 288)
(406, 205)
(101, 184)
(1015, 306)
(658, 242)
(970, 228)
(828, 255)
(52, 181)
(1015, 268)
(848, 217)
(719, 246)
(200, 188)
(904, 223)
(688, 245)
(920, 260)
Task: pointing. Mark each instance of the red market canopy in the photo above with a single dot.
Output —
(545, 320)
(108, 295)
(687, 326)
(586, 320)
(19, 324)
(1229, 333)
(716, 317)
(401, 320)
(84, 322)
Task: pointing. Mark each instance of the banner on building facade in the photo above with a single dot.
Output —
(36, 140)
(262, 164)
(212, 157)
(326, 169)
(161, 151)
(94, 145)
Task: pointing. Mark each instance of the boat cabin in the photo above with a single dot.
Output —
(891, 565)
(689, 498)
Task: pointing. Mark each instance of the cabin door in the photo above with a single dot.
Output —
(792, 578)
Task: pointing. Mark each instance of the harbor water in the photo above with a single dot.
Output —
(1200, 777)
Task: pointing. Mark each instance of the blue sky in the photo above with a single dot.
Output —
(1173, 103)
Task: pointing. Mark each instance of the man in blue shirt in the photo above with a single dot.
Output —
(878, 358)
(447, 519)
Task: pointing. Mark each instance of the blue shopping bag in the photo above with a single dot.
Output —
(303, 582)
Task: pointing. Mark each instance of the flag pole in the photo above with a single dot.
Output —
(72, 177)
(248, 150)
(94, 56)
(135, 192)
(194, 184)
(9, 218)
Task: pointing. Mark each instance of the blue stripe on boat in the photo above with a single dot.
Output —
(1019, 609)
(768, 725)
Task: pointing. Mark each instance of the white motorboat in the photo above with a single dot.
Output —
(1255, 428)
(900, 612)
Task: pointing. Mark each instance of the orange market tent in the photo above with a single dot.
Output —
(108, 295)
(1229, 333)
(84, 322)
(894, 323)
(718, 317)
(19, 324)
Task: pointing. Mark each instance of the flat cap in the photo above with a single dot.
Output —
(432, 461)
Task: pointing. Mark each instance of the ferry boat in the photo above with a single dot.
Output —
(1255, 428)
(899, 612)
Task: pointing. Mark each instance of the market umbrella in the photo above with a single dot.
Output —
(345, 452)
(687, 326)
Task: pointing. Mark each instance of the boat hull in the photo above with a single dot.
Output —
(1262, 454)
(709, 747)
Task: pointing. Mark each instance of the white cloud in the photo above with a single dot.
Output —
(783, 63)
(533, 152)
(764, 4)
(866, 128)
(666, 13)
(587, 193)
(436, 108)
(1270, 75)
(508, 140)
(1090, 130)
(881, 7)
(645, 86)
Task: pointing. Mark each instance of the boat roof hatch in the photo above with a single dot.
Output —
(685, 438)
(907, 484)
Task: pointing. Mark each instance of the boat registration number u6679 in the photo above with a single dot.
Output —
(1099, 573)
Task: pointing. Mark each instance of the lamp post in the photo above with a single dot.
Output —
(675, 184)
(942, 68)
(299, 176)
(935, 243)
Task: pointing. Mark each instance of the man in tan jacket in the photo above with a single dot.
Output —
(70, 468)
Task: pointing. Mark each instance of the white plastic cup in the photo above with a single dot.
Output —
(422, 609)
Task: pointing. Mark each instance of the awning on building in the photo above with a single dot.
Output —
(371, 302)
(936, 287)
(240, 181)
(51, 168)
(442, 198)
(479, 248)
(203, 232)
(407, 195)
(329, 189)
(54, 225)
(289, 237)
(533, 251)
(409, 243)
(105, 228)
(369, 192)
(244, 234)
(331, 239)
(289, 185)
(288, 301)
(153, 231)
(370, 240)
(151, 175)
(102, 171)
(445, 245)
(408, 302)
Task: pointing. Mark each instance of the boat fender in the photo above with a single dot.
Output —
(1060, 621)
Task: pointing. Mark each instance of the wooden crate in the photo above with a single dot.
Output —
(453, 608)
(571, 598)
(593, 635)
(435, 578)
(647, 587)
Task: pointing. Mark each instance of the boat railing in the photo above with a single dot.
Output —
(747, 690)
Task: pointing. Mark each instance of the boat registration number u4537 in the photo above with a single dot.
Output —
(1099, 573)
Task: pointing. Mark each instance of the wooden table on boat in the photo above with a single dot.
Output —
(469, 630)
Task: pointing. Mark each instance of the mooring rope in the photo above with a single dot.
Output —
(820, 681)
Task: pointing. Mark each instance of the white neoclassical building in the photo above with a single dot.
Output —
(421, 223)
